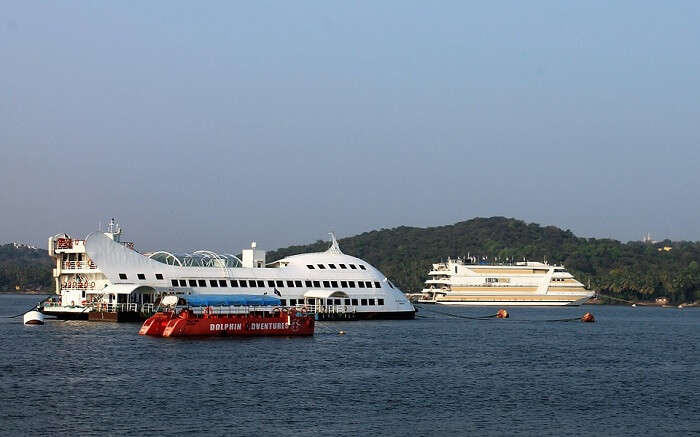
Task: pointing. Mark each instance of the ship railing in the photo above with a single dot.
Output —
(232, 309)
(130, 307)
(77, 265)
(328, 309)
(68, 244)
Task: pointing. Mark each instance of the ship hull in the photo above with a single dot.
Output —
(188, 324)
(506, 302)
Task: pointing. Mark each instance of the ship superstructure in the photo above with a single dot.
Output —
(466, 282)
(108, 272)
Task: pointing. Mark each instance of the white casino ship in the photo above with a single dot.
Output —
(103, 272)
(456, 282)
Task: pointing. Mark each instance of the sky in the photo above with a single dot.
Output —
(213, 124)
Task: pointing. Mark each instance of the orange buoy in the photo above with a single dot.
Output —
(502, 314)
(588, 318)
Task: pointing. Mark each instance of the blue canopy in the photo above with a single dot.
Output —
(203, 300)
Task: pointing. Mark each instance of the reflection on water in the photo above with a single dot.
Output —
(635, 371)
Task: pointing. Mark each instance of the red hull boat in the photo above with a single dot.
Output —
(208, 323)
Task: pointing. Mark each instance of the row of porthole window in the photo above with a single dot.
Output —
(333, 266)
(250, 283)
(337, 301)
(257, 283)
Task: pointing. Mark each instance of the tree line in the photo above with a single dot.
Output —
(25, 268)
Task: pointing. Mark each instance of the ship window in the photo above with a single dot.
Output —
(242, 283)
(362, 267)
(352, 266)
(381, 301)
(377, 284)
(252, 283)
(183, 283)
(351, 284)
(360, 284)
(347, 301)
(321, 266)
(298, 283)
(234, 282)
(261, 283)
(122, 276)
(202, 282)
(280, 283)
(344, 284)
(173, 282)
(309, 266)
(363, 301)
(342, 266)
(354, 302)
(326, 284)
(270, 283)
(290, 283)
(159, 276)
(193, 282)
(213, 283)
(334, 284)
(308, 283)
(368, 284)
(292, 302)
(141, 276)
(317, 284)
(222, 282)
(371, 301)
(338, 302)
(331, 266)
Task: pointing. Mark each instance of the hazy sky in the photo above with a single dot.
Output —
(211, 124)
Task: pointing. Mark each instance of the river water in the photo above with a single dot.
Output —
(636, 371)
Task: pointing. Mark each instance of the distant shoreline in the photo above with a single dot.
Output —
(32, 292)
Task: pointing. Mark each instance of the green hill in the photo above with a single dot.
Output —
(26, 268)
(634, 270)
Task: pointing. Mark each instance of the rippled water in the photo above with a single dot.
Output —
(635, 372)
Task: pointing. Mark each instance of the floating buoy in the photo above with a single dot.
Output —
(588, 318)
(502, 314)
(341, 332)
(33, 318)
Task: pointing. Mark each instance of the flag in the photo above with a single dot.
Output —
(277, 292)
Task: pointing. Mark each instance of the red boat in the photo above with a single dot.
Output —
(210, 322)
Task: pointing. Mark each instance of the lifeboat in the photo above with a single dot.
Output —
(202, 317)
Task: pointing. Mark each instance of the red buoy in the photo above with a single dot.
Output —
(588, 318)
(502, 314)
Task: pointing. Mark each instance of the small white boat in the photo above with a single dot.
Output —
(33, 318)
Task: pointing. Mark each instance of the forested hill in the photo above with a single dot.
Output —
(634, 270)
(24, 267)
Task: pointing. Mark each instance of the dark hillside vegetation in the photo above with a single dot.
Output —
(634, 270)
(24, 268)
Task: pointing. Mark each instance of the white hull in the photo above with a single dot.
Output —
(509, 303)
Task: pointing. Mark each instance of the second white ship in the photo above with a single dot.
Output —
(457, 282)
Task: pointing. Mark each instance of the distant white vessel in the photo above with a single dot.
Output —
(102, 273)
(457, 282)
